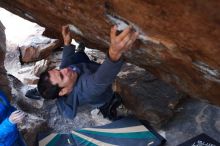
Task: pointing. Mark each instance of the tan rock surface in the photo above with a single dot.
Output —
(179, 40)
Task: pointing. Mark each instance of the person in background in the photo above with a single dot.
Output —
(9, 118)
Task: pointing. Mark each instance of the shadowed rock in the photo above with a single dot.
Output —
(194, 117)
(148, 97)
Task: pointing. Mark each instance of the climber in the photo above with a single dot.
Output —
(9, 118)
(81, 81)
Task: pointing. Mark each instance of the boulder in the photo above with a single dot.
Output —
(31, 127)
(36, 48)
(19, 99)
(179, 40)
(193, 118)
(146, 96)
(2, 38)
(4, 83)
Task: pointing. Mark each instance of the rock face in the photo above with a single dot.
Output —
(196, 117)
(4, 84)
(146, 96)
(179, 41)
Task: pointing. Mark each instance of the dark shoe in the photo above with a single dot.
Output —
(81, 47)
(33, 94)
(109, 110)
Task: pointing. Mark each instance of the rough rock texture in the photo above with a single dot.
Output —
(179, 41)
(194, 118)
(148, 97)
(37, 47)
(4, 84)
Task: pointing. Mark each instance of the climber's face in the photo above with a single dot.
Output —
(64, 78)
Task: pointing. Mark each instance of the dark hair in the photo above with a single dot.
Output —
(46, 89)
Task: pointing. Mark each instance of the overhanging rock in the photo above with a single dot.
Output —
(179, 41)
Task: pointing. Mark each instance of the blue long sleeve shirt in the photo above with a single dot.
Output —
(8, 131)
(93, 86)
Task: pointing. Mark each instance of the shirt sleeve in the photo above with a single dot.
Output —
(105, 75)
(7, 129)
(68, 56)
(107, 71)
